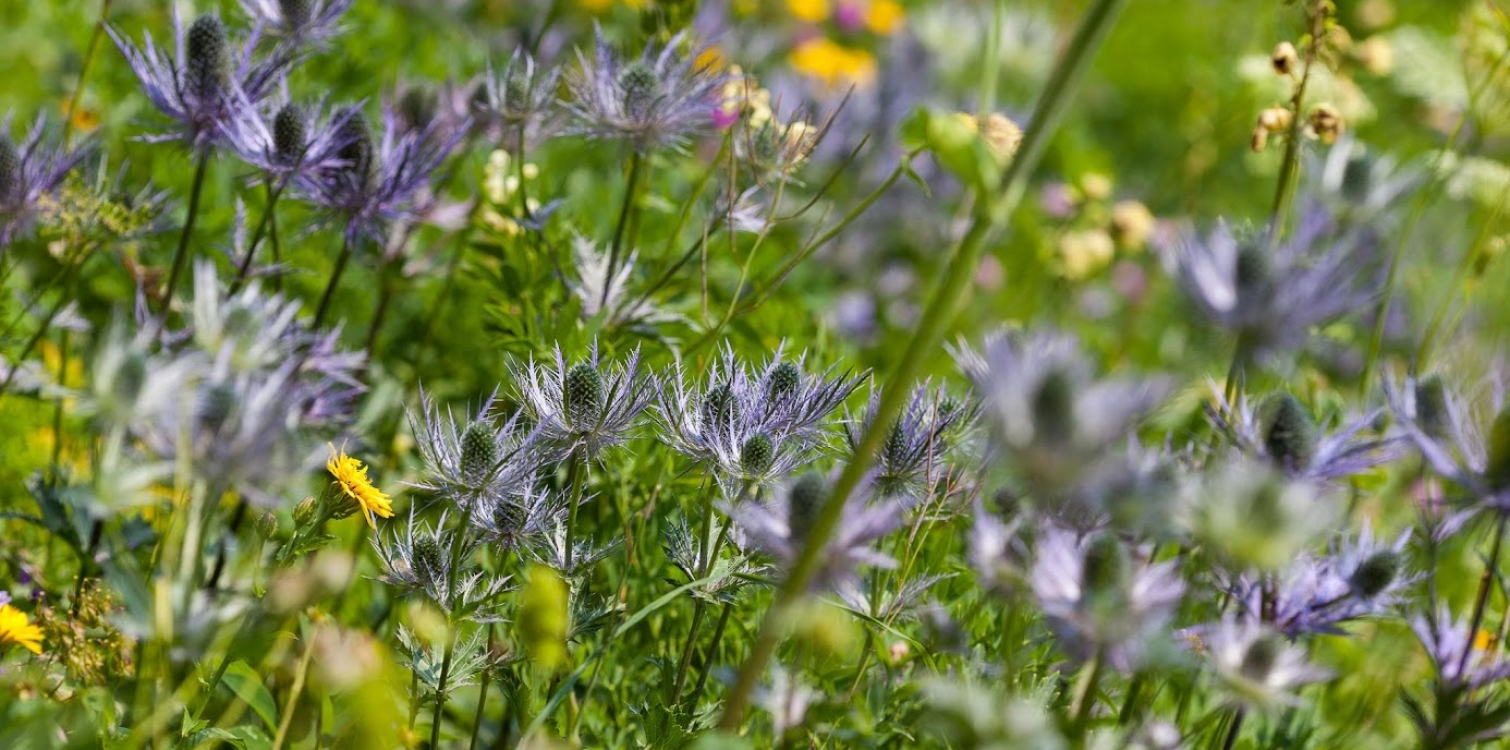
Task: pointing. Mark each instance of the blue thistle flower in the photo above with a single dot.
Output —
(30, 171)
(658, 100)
(308, 24)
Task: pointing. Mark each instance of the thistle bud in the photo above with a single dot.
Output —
(1252, 268)
(1054, 408)
(10, 170)
(214, 404)
(1275, 119)
(357, 150)
(583, 395)
(804, 499)
(1007, 503)
(1497, 464)
(417, 107)
(267, 526)
(1106, 567)
(641, 88)
(1326, 122)
(1289, 432)
(1432, 411)
(1284, 59)
(207, 67)
(290, 134)
(429, 562)
(479, 453)
(783, 381)
(756, 455)
(894, 450)
(1375, 574)
(1261, 657)
(296, 13)
(720, 409)
(304, 512)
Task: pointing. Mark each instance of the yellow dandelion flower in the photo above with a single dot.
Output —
(351, 475)
(833, 63)
(14, 628)
(884, 16)
(811, 11)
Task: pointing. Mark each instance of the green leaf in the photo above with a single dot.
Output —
(247, 685)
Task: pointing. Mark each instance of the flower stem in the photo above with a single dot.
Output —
(293, 696)
(574, 481)
(1481, 603)
(707, 665)
(1085, 697)
(244, 267)
(335, 278)
(482, 693)
(945, 302)
(84, 70)
(182, 254)
(1234, 730)
(1289, 166)
(631, 187)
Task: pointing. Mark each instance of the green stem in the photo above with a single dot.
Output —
(944, 304)
(631, 187)
(182, 254)
(245, 266)
(454, 603)
(440, 690)
(1085, 698)
(1482, 601)
(1234, 730)
(89, 56)
(335, 278)
(1290, 165)
(482, 693)
(293, 697)
(707, 665)
(574, 482)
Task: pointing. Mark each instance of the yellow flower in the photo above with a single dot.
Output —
(883, 17)
(15, 629)
(351, 475)
(811, 11)
(833, 63)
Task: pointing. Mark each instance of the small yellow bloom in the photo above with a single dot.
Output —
(832, 63)
(811, 11)
(1484, 640)
(884, 16)
(351, 475)
(14, 628)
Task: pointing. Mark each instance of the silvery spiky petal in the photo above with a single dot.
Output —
(322, 135)
(688, 552)
(518, 101)
(551, 551)
(207, 113)
(598, 291)
(30, 171)
(798, 402)
(521, 520)
(478, 462)
(659, 100)
(384, 180)
(593, 421)
(912, 456)
(1450, 644)
(1339, 451)
(890, 606)
(779, 527)
(1053, 419)
(1114, 618)
(1360, 577)
(1270, 294)
(1257, 666)
(1441, 425)
(299, 23)
(429, 560)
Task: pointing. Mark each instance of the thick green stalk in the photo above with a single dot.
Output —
(182, 254)
(89, 56)
(631, 187)
(482, 692)
(574, 482)
(945, 302)
(245, 266)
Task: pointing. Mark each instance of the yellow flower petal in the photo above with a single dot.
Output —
(351, 477)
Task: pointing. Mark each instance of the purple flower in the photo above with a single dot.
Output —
(1284, 433)
(300, 23)
(296, 141)
(208, 89)
(30, 172)
(379, 180)
(659, 100)
(1449, 643)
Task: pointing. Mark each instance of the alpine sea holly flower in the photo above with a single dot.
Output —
(1096, 601)
(1361, 577)
(1451, 645)
(478, 463)
(379, 180)
(1257, 666)
(609, 295)
(779, 527)
(517, 102)
(1438, 422)
(659, 100)
(912, 456)
(30, 171)
(296, 141)
(521, 520)
(1251, 515)
(1053, 419)
(206, 87)
(1271, 293)
(1284, 432)
(299, 23)
(589, 406)
(798, 402)
(429, 560)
